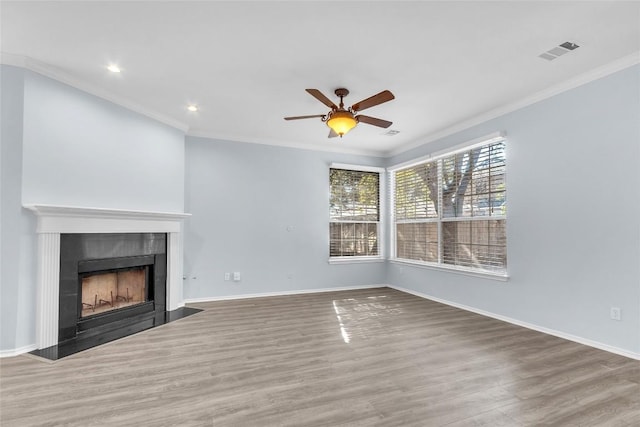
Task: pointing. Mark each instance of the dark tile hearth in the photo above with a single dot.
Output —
(82, 343)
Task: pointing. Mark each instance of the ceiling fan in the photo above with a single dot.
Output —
(341, 120)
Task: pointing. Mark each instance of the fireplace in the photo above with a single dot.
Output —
(75, 243)
(110, 280)
(106, 291)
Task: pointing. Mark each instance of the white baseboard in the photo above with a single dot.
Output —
(281, 293)
(559, 334)
(18, 351)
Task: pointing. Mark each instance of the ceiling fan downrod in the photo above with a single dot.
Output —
(341, 93)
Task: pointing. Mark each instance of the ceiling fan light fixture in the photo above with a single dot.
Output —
(341, 122)
(340, 119)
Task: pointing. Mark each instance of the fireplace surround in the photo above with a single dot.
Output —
(107, 278)
(56, 222)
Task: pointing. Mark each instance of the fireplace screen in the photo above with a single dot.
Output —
(103, 292)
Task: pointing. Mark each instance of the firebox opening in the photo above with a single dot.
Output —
(105, 291)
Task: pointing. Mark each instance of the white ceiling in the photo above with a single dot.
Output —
(247, 64)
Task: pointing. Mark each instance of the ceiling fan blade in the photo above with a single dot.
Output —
(332, 134)
(379, 98)
(320, 97)
(303, 117)
(373, 121)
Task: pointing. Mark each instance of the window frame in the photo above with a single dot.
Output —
(441, 219)
(382, 214)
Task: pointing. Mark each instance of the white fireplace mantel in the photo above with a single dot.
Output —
(55, 220)
(71, 219)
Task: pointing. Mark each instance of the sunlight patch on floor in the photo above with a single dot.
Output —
(343, 331)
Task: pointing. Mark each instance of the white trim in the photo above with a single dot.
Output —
(484, 141)
(13, 60)
(382, 206)
(472, 218)
(80, 211)
(175, 283)
(356, 259)
(359, 168)
(390, 216)
(452, 219)
(464, 146)
(584, 78)
(595, 74)
(281, 293)
(18, 351)
(548, 331)
(54, 73)
(302, 145)
(74, 219)
(421, 220)
(384, 220)
(48, 294)
(559, 334)
(63, 77)
(354, 222)
(452, 269)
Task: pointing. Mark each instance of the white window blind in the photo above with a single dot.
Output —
(354, 211)
(451, 211)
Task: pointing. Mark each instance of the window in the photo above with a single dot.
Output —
(354, 211)
(450, 211)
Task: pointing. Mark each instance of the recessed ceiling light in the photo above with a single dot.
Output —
(113, 68)
(193, 108)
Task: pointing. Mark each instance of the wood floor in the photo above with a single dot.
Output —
(375, 357)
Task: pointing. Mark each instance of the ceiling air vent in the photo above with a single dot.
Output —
(559, 50)
(391, 132)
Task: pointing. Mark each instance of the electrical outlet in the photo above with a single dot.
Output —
(236, 276)
(227, 276)
(616, 313)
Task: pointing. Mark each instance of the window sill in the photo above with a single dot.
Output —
(467, 272)
(355, 260)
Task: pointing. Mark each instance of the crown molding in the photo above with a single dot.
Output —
(291, 144)
(66, 78)
(59, 75)
(584, 78)
(14, 60)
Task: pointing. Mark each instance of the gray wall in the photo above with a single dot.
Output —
(17, 227)
(573, 227)
(243, 197)
(82, 151)
(63, 146)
